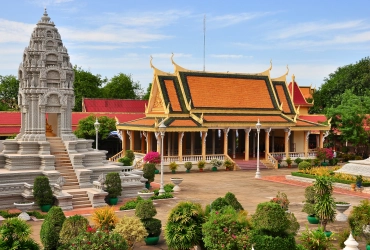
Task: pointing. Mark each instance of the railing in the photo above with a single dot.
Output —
(311, 154)
(192, 158)
(227, 157)
(272, 160)
(220, 157)
(117, 156)
(170, 158)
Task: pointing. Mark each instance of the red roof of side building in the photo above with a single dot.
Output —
(298, 98)
(113, 105)
(10, 118)
(314, 118)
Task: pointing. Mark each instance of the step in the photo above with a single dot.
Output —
(81, 206)
(71, 187)
(78, 202)
(78, 196)
(77, 192)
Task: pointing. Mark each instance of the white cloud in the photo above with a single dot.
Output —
(11, 31)
(231, 19)
(230, 56)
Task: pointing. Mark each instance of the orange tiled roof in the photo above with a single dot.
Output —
(226, 92)
(142, 122)
(241, 118)
(306, 92)
(171, 91)
(183, 123)
(283, 99)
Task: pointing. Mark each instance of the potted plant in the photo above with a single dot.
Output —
(229, 165)
(298, 160)
(145, 210)
(359, 219)
(341, 206)
(279, 159)
(289, 162)
(324, 201)
(149, 173)
(173, 167)
(309, 205)
(215, 164)
(359, 180)
(188, 165)
(43, 193)
(315, 239)
(324, 154)
(282, 200)
(153, 157)
(113, 186)
(201, 165)
(145, 194)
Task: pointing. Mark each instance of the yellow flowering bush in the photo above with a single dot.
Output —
(104, 218)
(329, 171)
(131, 229)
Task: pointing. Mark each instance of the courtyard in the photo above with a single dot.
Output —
(205, 187)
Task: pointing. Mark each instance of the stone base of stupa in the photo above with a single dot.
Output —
(359, 167)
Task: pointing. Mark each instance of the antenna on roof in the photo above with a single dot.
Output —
(204, 43)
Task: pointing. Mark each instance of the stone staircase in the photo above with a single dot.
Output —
(249, 165)
(62, 163)
(80, 199)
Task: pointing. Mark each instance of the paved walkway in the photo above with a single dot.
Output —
(207, 186)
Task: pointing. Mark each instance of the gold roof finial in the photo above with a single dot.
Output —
(293, 78)
(151, 64)
(270, 64)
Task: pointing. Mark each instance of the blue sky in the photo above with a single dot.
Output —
(107, 37)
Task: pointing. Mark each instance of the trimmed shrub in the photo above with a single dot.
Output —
(51, 227)
(104, 218)
(268, 242)
(225, 230)
(304, 165)
(153, 226)
(125, 161)
(42, 191)
(93, 240)
(15, 234)
(309, 203)
(173, 166)
(131, 229)
(233, 201)
(219, 204)
(184, 226)
(145, 209)
(168, 188)
(298, 160)
(149, 171)
(271, 219)
(130, 154)
(113, 185)
(72, 227)
(188, 165)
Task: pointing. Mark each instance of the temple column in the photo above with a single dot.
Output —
(124, 138)
(273, 141)
(233, 136)
(181, 135)
(286, 142)
(267, 142)
(143, 143)
(321, 140)
(192, 141)
(306, 135)
(148, 142)
(246, 144)
(204, 135)
(226, 131)
(132, 140)
(184, 144)
(213, 141)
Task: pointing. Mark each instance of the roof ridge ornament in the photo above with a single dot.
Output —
(266, 72)
(283, 77)
(281, 106)
(157, 71)
(176, 66)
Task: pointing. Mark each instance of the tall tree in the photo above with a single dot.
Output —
(122, 86)
(86, 127)
(147, 94)
(9, 86)
(86, 85)
(349, 117)
(354, 76)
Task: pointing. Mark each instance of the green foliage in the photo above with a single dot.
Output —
(304, 165)
(228, 164)
(131, 229)
(42, 191)
(233, 201)
(72, 227)
(184, 226)
(149, 171)
(153, 226)
(113, 185)
(343, 236)
(51, 227)
(268, 242)
(147, 94)
(130, 154)
(145, 209)
(298, 160)
(309, 203)
(324, 201)
(131, 204)
(289, 161)
(104, 218)
(315, 239)
(293, 224)
(125, 161)
(122, 86)
(36, 214)
(271, 219)
(216, 163)
(9, 86)
(359, 218)
(173, 166)
(86, 127)
(201, 164)
(188, 165)
(219, 204)
(168, 188)
(15, 234)
(226, 229)
(86, 85)
(98, 240)
(162, 196)
(282, 200)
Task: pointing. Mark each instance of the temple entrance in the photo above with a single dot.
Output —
(51, 124)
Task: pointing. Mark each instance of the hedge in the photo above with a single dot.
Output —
(364, 184)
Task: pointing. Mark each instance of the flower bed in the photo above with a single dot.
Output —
(335, 177)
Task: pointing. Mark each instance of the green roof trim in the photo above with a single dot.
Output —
(286, 92)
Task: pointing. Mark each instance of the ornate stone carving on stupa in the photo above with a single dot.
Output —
(45, 85)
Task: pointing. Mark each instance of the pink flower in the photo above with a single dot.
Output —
(152, 157)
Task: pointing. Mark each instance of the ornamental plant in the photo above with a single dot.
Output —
(359, 218)
(145, 210)
(51, 227)
(324, 154)
(216, 163)
(309, 203)
(104, 218)
(131, 229)
(315, 239)
(98, 240)
(325, 207)
(113, 185)
(130, 155)
(188, 165)
(282, 200)
(229, 164)
(152, 157)
(15, 234)
(233, 201)
(226, 229)
(173, 166)
(201, 164)
(184, 226)
(149, 171)
(72, 227)
(42, 191)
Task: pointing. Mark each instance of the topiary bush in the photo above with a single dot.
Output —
(15, 234)
(268, 242)
(219, 204)
(42, 191)
(233, 201)
(184, 226)
(113, 185)
(145, 209)
(298, 160)
(226, 230)
(51, 227)
(131, 229)
(304, 165)
(125, 161)
(130, 155)
(168, 188)
(188, 165)
(153, 226)
(309, 203)
(149, 171)
(104, 218)
(72, 227)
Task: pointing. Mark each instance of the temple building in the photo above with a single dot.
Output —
(214, 115)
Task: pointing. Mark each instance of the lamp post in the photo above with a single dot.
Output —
(162, 129)
(97, 126)
(258, 127)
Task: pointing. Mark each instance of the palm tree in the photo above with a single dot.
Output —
(324, 201)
